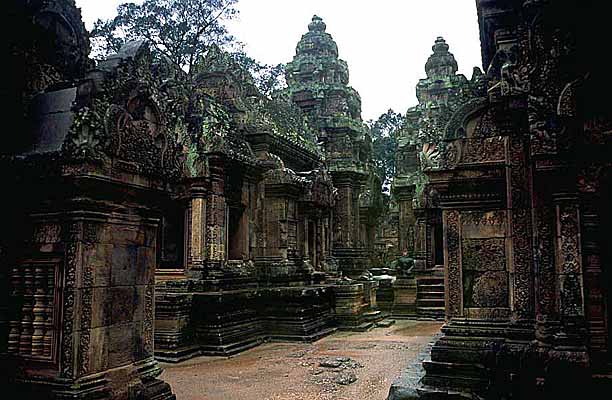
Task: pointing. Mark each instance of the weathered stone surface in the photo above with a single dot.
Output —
(54, 119)
(266, 208)
(514, 270)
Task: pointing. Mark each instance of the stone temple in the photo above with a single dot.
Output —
(149, 221)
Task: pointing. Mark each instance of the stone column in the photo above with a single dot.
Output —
(453, 283)
(196, 230)
(216, 215)
(596, 279)
(420, 239)
(544, 217)
(306, 244)
(520, 224)
(358, 233)
(570, 279)
(407, 219)
(344, 215)
(351, 255)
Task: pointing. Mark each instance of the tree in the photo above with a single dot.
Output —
(180, 30)
(383, 132)
(268, 78)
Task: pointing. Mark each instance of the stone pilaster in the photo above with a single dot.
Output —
(196, 229)
(407, 219)
(216, 216)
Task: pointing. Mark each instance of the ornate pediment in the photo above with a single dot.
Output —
(124, 115)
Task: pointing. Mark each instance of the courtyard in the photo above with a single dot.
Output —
(342, 366)
(229, 199)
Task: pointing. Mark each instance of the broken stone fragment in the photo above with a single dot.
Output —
(385, 323)
(330, 363)
(346, 378)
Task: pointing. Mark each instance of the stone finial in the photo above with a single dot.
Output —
(317, 24)
(440, 45)
(441, 62)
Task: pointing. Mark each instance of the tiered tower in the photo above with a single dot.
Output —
(420, 233)
(318, 83)
(439, 95)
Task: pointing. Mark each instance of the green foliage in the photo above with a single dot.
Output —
(181, 30)
(268, 78)
(215, 122)
(287, 119)
(384, 132)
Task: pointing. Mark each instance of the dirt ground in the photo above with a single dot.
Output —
(343, 366)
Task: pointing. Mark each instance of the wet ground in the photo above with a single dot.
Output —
(343, 366)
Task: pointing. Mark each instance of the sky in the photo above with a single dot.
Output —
(385, 42)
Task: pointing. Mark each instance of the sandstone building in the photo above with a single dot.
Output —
(152, 217)
(519, 167)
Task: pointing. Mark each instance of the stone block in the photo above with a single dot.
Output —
(101, 307)
(124, 268)
(404, 297)
(98, 349)
(140, 302)
(99, 258)
(124, 304)
(139, 347)
(479, 224)
(145, 266)
(120, 345)
(52, 118)
(122, 234)
(150, 237)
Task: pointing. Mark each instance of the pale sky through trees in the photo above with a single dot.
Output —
(385, 42)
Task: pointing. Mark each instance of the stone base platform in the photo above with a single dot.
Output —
(404, 298)
(225, 323)
(135, 381)
(353, 304)
(495, 360)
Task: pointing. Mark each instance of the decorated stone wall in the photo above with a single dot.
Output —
(518, 175)
(439, 95)
(83, 255)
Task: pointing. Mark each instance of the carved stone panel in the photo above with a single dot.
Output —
(483, 259)
(570, 260)
(519, 203)
(453, 281)
(72, 233)
(215, 235)
(483, 150)
(484, 254)
(197, 240)
(485, 280)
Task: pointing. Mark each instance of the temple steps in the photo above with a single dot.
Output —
(231, 349)
(430, 303)
(430, 297)
(363, 327)
(177, 355)
(471, 377)
(301, 338)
